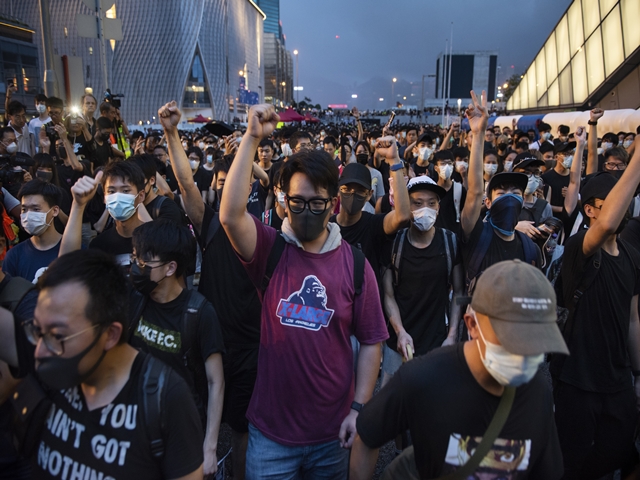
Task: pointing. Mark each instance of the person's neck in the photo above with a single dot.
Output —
(422, 162)
(49, 239)
(486, 177)
(125, 229)
(89, 118)
(478, 370)
(43, 116)
(168, 289)
(150, 196)
(207, 166)
(265, 165)
(280, 211)
(314, 246)
(559, 168)
(16, 128)
(529, 198)
(346, 220)
(104, 385)
(445, 182)
(420, 239)
(506, 238)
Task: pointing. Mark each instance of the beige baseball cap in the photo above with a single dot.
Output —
(521, 306)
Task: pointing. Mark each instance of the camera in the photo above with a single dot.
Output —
(113, 98)
(9, 176)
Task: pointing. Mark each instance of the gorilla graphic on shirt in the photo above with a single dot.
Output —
(306, 308)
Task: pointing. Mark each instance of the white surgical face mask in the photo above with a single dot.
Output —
(507, 166)
(424, 218)
(35, 223)
(568, 160)
(184, 145)
(461, 166)
(545, 136)
(506, 368)
(201, 145)
(627, 143)
(121, 206)
(490, 168)
(606, 145)
(12, 147)
(41, 108)
(281, 199)
(532, 185)
(194, 164)
(445, 171)
(209, 158)
(424, 153)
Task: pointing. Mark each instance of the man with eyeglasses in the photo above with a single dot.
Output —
(18, 121)
(300, 141)
(534, 209)
(84, 410)
(305, 402)
(615, 161)
(597, 387)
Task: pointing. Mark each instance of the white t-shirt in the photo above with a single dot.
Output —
(34, 128)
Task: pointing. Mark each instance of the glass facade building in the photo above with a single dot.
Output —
(592, 51)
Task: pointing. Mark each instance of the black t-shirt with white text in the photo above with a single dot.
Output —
(422, 294)
(447, 413)
(599, 338)
(112, 441)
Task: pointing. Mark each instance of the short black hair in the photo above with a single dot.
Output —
(126, 171)
(442, 155)
(197, 151)
(461, 152)
(564, 130)
(15, 107)
(296, 136)
(330, 139)
(167, 240)
(135, 135)
(54, 102)
(222, 165)
(104, 122)
(51, 193)
(611, 137)
(544, 127)
(147, 164)
(267, 142)
(104, 280)
(490, 151)
(44, 160)
(522, 145)
(362, 143)
(317, 165)
(41, 97)
(618, 152)
(105, 107)
(5, 130)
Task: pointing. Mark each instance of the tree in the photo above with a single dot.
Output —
(512, 84)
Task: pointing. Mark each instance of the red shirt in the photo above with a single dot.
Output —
(305, 382)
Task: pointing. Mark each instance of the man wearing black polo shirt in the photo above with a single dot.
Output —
(595, 401)
(364, 230)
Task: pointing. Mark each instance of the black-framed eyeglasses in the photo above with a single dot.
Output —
(317, 206)
(145, 263)
(615, 166)
(53, 342)
(349, 192)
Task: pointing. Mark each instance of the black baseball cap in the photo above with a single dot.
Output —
(519, 180)
(356, 173)
(562, 147)
(425, 137)
(597, 186)
(546, 147)
(525, 159)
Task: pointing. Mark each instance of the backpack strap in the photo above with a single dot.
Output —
(396, 255)
(457, 198)
(538, 209)
(189, 332)
(155, 375)
(157, 206)
(137, 303)
(451, 249)
(13, 293)
(530, 252)
(358, 269)
(480, 251)
(266, 217)
(272, 261)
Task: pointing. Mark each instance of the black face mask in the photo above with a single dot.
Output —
(504, 213)
(616, 173)
(62, 152)
(362, 158)
(62, 373)
(352, 204)
(45, 176)
(141, 278)
(502, 146)
(308, 226)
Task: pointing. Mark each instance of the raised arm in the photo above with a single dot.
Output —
(478, 119)
(571, 198)
(83, 191)
(446, 143)
(73, 160)
(234, 217)
(592, 152)
(170, 118)
(614, 207)
(400, 216)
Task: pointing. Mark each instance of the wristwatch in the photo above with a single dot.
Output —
(357, 406)
(397, 166)
(592, 123)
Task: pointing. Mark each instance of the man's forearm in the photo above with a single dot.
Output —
(234, 205)
(214, 415)
(592, 153)
(362, 463)
(368, 367)
(72, 236)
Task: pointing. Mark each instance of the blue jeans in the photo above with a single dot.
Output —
(271, 460)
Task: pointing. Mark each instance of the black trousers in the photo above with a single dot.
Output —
(596, 431)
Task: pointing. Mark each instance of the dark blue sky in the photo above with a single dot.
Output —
(403, 38)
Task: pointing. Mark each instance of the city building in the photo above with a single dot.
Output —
(278, 64)
(19, 61)
(470, 70)
(591, 59)
(205, 54)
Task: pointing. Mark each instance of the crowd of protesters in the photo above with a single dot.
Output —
(483, 283)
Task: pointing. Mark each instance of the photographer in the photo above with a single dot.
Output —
(79, 135)
(13, 176)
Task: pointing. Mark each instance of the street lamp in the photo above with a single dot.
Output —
(393, 83)
(295, 52)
